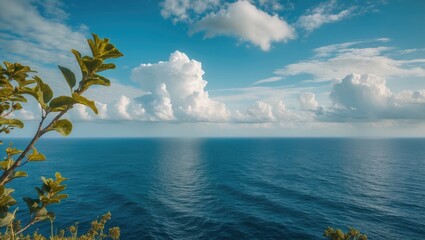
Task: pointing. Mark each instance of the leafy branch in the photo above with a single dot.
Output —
(15, 86)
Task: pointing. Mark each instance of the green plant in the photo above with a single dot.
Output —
(337, 234)
(17, 83)
(95, 232)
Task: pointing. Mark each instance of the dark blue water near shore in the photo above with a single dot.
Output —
(238, 188)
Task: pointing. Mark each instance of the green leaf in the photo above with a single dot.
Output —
(45, 89)
(32, 204)
(69, 76)
(59, 178)
(30, 91)
(7, 219)
(12, 151)
(20, 174)
(42, 214)
(61, 196)
(36, 156)
(96, 80)
(38, 93)
(61, 102)
(62, 126)
(47, 93)
(7, 200)
(82, 100)
(18, 98)
(6, 164)
(6, 92)
(83, 67)
(106, 66)
(12, 122)
(58, 188)
(17, 106)
(92, 64)
(93, 48)
(114, 53)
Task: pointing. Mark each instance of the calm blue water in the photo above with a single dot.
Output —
(239, 188)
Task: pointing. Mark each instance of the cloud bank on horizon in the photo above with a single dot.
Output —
(346, 82)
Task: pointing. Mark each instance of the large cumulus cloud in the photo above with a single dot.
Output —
(367, 97)
(176, 91)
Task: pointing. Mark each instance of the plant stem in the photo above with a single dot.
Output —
(4, 177)
(40, 132)
(32, 222)
(51, 228)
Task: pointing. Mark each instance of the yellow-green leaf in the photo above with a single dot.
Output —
(96, 80)
(106, 66)
(45, 89)
(36, 156)
(83, 67)
(20, 174)
(12, 151)
(61, 101)
(62, 126)
(7, 219)
(12, 122)
(82, 100)
(6, 164)
(92, 64)
(69, 76)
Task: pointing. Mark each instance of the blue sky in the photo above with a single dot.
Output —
(233, 68)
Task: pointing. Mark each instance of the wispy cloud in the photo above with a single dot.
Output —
(326, 12)
(332, 11)
(335, 61)
(27, 35)
(187, 10)
(267, 80)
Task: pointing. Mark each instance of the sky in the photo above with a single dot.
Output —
(244, 68)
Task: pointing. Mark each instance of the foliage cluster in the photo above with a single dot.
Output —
(337, 234)
(17, 84)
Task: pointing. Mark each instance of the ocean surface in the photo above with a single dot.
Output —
(291, 188)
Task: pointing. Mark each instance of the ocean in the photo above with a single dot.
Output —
(259, 188)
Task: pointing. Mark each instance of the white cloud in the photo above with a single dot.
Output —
(336, 61)
(186, 10)
(271, 5)
(269, 112)
(176, 90)
(308, 101)
(122, 107)
(23, 114)
(243, 20)
(259, 112)
(102, 108)
(113, 93)
(366, 97)
(267, 80)
(35, 33)
(81, 112)
(322, 14)
(26, 35)
(53, 9)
